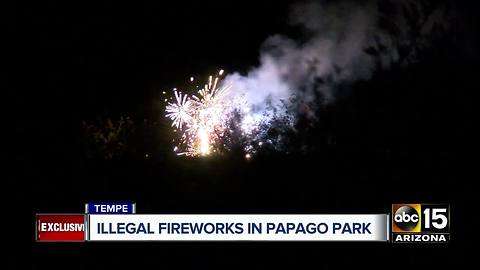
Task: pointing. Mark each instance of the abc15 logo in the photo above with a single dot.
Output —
(420, 218)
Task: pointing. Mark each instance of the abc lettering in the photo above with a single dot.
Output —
(403, 217)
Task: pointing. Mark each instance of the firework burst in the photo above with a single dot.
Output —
(179, 111)
(214, 119)
(200, 118)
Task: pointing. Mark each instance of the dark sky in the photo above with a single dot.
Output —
(105, 55)
(402, 136)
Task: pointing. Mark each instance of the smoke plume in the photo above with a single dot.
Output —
(343, 42)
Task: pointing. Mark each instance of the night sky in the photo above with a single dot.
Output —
(404, 135)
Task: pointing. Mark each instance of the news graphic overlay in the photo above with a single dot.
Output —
(428, 223)
(110, 208)
(238, 227)
(116, 221)
(60, 228)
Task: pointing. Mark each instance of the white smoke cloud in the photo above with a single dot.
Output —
(344, 42)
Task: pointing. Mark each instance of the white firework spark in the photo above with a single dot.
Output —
(180, 111)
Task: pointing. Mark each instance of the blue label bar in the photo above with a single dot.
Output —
(110, 208)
